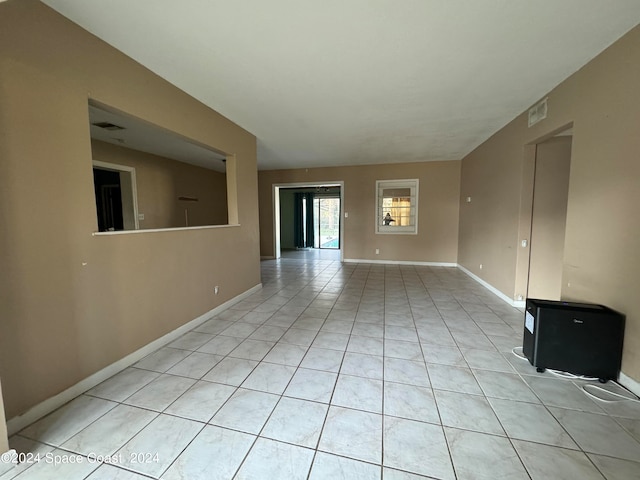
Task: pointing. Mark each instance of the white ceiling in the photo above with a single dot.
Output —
(344, 82)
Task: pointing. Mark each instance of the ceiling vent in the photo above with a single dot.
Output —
(108, 126)
(538, 112)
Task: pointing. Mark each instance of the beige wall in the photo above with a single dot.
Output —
(63, 320)
(551, 189)
(160, 181)
(601, 260)
(436, 240)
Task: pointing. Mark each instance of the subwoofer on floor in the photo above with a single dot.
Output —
(579, 338)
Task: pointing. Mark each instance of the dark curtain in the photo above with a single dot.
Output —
(303, 206)
(298, 218)
(310, 225)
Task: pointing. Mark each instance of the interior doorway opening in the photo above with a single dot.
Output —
(549, 216)
(108, 190)
(308, 216)
(116, 197)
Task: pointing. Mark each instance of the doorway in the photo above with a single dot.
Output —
(308, 216)
(549, 216)
(116, 197)
(315, 222)
(108, 200)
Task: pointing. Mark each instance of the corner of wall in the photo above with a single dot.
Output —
(630, 383)
(492, 289)
(4, 442)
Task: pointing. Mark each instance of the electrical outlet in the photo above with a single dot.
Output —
(377, 251)
(216, 289)
(480, 266)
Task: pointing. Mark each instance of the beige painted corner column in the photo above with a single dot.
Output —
(4, 442)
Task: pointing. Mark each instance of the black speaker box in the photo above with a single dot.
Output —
(579, 338)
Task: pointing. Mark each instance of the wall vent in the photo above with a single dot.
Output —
(538, 112)
(108, 126)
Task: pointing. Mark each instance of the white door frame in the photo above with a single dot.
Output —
(276, 210)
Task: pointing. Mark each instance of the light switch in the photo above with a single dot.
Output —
(525, 243)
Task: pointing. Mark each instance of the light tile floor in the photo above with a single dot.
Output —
(337, 371)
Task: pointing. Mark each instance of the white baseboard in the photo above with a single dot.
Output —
(624, 380)
(630, 383)
(494, 290)
(16, 424)
(521, 304)
(399, 262)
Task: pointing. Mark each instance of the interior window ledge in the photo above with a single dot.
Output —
(155, 230)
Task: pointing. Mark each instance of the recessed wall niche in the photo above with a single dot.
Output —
(148, 178)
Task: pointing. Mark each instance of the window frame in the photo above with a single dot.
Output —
(413, 185)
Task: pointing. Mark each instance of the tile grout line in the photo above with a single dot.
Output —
(371, 280)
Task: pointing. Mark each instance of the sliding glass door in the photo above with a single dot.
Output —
(326, 222)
